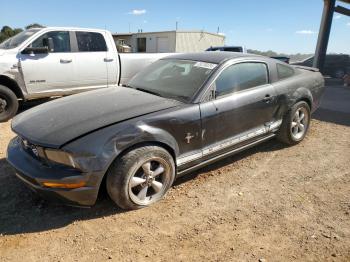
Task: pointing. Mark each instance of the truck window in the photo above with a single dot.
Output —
(284, 71)
(91, 42)
(241, 76)
(60, 39)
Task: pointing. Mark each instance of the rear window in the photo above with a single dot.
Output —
(91, 42)
(284, 71)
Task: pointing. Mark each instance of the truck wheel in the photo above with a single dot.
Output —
(295, 124)
(8, 103)
(140, 177)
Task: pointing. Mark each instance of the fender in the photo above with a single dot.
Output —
(289, 99)
(301, 93)
(117, 139)
(10, 81)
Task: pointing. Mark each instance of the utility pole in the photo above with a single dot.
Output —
(323, 35)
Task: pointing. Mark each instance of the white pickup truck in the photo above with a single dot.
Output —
(52, 61)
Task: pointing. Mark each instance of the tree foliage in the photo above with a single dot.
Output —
(34, 25)
(7, 32)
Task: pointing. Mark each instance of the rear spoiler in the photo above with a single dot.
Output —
(313, 69)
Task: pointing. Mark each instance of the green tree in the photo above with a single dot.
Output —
(7, 32)
(34, 25)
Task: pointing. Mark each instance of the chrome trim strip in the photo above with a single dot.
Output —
(185, 159)
(230, 142)
(236, 150)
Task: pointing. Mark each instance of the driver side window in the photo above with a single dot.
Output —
(60, 39)
(241, 76)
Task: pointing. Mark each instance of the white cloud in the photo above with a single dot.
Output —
(137, 12)
(348, 24)
(337, 17)
(305, 32)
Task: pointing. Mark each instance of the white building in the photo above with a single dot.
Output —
(170, 41)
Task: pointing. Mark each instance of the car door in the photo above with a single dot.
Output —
(243, 108)
(95, 65)
(52, 71)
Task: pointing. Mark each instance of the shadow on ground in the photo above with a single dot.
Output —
(23, 211)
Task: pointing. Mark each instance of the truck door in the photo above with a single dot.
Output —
(245, 102)
(50, 72)
(95, 65)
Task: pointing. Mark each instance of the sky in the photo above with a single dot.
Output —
(288, 26)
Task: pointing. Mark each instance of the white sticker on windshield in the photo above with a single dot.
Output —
(205, 65)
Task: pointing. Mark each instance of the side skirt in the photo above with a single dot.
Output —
(232, 152)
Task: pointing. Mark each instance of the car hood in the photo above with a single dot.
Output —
(57, 122)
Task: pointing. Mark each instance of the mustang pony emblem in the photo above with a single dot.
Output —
(188, 137)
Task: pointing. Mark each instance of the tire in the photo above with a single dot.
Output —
(295, 124)
(8, 104)
(140, 177)
(339, 73)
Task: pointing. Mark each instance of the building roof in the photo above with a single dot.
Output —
(210, 57)
(171, 31)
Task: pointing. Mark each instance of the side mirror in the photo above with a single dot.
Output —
(213, 93)
(35, 50)
(48, 42)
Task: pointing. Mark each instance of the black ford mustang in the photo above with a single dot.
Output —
(180, 113)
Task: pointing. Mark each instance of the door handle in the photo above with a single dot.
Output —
(268, 98)
(108, 59)
(65, 61)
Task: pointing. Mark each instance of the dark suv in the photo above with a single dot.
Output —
(335, 65)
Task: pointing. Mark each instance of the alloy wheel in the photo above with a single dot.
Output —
(299, 123)
(150, 181)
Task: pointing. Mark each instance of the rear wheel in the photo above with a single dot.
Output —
(141, 177)
(8, 104)
(295, 124)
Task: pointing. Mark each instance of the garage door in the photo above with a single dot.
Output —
(162, 44)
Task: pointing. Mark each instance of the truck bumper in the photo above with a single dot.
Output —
(34, 173)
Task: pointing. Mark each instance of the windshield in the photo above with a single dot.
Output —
(18, 39)
(173, 78)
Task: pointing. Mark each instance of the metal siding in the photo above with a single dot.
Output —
(197, 41)
(151, 41)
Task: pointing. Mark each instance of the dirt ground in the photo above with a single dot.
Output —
(270, 203)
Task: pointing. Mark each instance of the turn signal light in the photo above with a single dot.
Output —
(64, 185)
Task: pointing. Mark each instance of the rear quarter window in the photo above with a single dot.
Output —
(91, 42)
(284, 71)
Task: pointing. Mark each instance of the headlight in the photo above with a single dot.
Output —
(60, 157)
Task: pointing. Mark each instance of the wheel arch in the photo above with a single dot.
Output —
(163, 145)
(129, 148)
(303, 94)
(305, 99)
(12, 85)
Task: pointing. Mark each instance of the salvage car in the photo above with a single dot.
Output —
(177, 115)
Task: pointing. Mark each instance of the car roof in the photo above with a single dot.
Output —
(212, 57)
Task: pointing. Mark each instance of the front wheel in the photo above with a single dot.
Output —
(140, 177)
(295, 124)
(8, 104)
